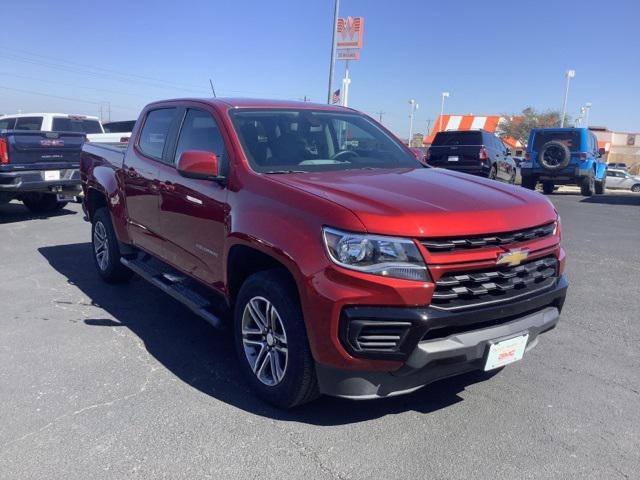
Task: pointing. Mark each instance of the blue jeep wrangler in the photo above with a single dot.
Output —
(564, 156)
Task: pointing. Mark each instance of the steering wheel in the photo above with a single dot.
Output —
(344, 153)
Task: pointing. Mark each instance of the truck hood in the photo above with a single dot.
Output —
(426, 202)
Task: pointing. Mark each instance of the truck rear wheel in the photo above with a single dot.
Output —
(271, 340)
(548, 187)
(106, 251)
(529, 182)
(43, 202)
(587, 186)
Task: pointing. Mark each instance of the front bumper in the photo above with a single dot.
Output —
(461, 347)
(23, 181)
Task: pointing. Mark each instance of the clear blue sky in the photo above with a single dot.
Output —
(493, 56)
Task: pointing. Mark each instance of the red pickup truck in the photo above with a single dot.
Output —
(345, 266)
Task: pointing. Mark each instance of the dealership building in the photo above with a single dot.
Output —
(620, 147)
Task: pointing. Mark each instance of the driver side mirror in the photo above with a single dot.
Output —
(419, 154)
(602, 152)
(199, 164)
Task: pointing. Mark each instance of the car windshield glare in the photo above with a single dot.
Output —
(304, 140)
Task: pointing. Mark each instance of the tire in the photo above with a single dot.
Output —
(635, 188)
(529, 183)
(554, 156)
(587, 186)
(43, 202)
(493, 173)
(512, 180)
(548, 187)
(601, 187)
(106, 251)
(279, 352)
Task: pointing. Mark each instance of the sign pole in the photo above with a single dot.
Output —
(345, 85)
(333, 49)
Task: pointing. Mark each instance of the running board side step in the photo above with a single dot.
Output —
(189, 298)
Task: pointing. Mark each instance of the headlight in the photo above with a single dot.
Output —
(375, 254)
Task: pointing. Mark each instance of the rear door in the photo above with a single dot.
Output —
(141, 177)
(614, 179)
(192, 211)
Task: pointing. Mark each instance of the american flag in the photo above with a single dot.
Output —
(335, 98)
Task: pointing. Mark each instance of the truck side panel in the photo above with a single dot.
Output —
(101, 167)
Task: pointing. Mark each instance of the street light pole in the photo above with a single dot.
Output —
(587, 107)
(414, 106)
(444, 95)
(333, 49)
(569, 74)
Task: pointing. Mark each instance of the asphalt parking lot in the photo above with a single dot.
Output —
(101, 381)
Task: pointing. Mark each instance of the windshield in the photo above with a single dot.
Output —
(72, 124)
(284, 141)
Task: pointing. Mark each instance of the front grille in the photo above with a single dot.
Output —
(458, 290)
(466, 243)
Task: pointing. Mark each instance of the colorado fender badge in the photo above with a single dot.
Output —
(512, 257)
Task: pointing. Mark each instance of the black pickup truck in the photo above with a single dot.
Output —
(41, 169)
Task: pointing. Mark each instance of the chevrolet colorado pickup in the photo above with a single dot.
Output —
(344, 265)
(39, 168)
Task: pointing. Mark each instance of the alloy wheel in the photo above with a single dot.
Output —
(101, 245)
(265, 341)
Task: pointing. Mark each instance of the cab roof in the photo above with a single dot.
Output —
(261, 103)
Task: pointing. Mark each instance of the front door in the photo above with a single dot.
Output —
(192, 211)
(141, 179)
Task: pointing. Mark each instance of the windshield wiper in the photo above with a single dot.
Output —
(286, 171)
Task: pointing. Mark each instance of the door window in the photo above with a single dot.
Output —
(7, 123)
(28, 123)
(199, 132)
(155, 132)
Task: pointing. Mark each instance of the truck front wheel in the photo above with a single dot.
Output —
(271, 340)
(43, 202)
(601, 187)
(587, 186)
(106, 251)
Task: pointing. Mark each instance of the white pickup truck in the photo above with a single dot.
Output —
(61, 122)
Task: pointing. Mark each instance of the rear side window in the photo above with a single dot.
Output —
(444, 139)
(155, 131)
(199, 132)
(7, 123)
(28, 123)
(75, 124)
(570, 138)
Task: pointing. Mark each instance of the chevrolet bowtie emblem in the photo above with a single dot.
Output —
(512, 258)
